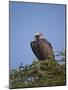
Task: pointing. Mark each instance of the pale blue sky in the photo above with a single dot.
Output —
(28, 18)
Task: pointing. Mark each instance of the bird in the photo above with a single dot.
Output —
(42, 48)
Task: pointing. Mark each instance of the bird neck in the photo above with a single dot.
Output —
(37, 39)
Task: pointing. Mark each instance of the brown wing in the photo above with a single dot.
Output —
(45, 40)
(36, 50)
(45, 48)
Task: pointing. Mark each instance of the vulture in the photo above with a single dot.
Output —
(42, 49)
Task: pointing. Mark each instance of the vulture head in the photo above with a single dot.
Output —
(38, 35)
(42, 49)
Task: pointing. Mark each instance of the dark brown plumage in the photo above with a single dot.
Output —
(42, 48)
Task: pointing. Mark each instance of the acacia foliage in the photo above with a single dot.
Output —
(38, 74)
